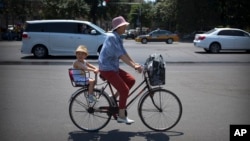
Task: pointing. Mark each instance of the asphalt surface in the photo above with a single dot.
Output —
(213, 88)
(178, 52)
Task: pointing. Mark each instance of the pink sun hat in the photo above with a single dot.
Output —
(118, 21)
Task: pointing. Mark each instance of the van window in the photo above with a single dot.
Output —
(38, 27)
(62, 27)
(52, 27)
(86, 29)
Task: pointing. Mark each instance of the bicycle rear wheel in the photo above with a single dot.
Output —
(89, 116)
(160, 109)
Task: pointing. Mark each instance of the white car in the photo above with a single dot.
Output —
(61, 37)
(223, 39)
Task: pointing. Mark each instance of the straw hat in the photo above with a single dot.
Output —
(118, 21)
(82, 48)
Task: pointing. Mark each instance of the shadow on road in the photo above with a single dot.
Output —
(57, 57)
(224, 52)
(50, 60)
(116, 135)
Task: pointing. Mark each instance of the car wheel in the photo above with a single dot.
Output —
(214, 48)
(169, 41)
(144, 41)
(40, 51)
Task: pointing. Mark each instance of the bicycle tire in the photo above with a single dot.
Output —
(89, 116)
(168, 113)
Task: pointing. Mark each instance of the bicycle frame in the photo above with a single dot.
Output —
(153, 104)
(146, 87)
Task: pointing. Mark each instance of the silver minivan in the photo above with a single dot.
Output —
(61, 37)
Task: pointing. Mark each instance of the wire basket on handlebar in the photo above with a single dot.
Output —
(155, 67)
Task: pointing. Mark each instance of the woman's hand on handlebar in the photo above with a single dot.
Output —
(138, 68)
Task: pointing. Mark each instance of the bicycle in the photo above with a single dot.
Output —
(158, 108)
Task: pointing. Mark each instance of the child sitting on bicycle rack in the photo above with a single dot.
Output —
(82, 64)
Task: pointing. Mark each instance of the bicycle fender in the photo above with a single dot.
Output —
(76, 92)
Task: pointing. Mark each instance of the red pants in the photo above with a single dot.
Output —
(122, 81)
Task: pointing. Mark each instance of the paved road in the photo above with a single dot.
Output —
(34, 104)
(186, 53)
(173, 53)
(34, 96)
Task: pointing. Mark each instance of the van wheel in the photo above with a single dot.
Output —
(40, 51)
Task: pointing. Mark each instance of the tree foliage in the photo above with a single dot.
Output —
(140, 15)
(13, 8)
(234, 13)
(164, 14)
(181, 15)
(66, 9)
(206, 14)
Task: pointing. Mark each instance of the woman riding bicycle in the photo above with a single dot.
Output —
(112, 51)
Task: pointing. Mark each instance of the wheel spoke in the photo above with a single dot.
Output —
(81, 103)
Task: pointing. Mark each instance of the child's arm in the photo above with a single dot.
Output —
(91, 67)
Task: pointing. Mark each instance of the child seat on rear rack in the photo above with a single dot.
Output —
(78, 77)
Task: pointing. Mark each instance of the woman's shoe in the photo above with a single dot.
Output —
(125, 120)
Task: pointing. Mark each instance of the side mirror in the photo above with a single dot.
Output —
(93, 32)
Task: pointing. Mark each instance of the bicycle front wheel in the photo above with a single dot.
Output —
(89, 116)
(160, 109)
